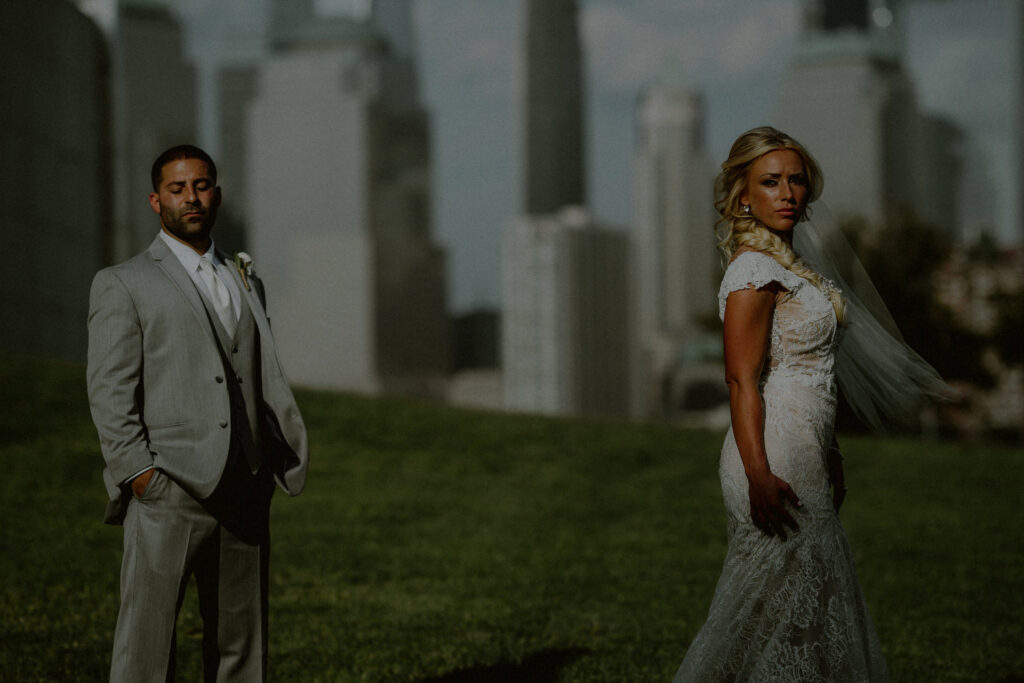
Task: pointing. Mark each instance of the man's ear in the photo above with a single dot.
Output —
(217, 197)
(154, 202)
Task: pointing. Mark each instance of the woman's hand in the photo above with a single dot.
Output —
(746, 334)
(836, 477)
(768, 496)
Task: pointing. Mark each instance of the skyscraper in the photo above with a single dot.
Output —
(1018, 192)
(55, 136)
(553, 163)
(285, 17)
(153, 106)
(394, 20)
(565, 337)
(565, 278)
(673, 238)
(229, 76)
(339, 166)
(847, 98)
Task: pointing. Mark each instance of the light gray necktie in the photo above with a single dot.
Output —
(219, 294)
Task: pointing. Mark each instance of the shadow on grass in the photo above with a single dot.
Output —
(540, 667)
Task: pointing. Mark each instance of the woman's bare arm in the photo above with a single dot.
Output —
(748, 322)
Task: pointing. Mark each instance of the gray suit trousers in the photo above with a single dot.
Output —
(169, 536)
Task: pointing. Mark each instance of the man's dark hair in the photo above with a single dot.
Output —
(174, 154)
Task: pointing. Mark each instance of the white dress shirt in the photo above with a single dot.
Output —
(189, 259)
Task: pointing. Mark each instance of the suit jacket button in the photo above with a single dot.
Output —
(220, 380)
(239, 378)
(234, 349)
(223, 424)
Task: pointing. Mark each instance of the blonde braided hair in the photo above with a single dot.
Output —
(736, 229)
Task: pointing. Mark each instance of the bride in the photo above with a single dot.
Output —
(788, 606)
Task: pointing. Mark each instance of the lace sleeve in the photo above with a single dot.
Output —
(753, 270)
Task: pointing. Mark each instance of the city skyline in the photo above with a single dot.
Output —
(959, 55)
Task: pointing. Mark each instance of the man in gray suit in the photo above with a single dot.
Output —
(196, 422)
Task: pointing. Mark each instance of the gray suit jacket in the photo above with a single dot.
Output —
(155, 379)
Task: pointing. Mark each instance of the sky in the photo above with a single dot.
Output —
(960, 55)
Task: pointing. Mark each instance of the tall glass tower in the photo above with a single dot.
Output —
(553, 117)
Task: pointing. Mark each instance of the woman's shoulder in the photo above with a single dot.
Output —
(745, 250)
(747, 261)
(753, 269)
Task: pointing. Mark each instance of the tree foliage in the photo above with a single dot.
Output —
(903, 260)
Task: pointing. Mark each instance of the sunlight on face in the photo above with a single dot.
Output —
(777, 189)
(187, 201)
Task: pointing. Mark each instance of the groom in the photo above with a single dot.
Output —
(196, 422)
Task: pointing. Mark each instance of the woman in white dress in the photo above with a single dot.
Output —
(788, 606)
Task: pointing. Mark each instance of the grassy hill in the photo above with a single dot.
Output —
(437, 544)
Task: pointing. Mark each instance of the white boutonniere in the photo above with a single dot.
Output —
(244, 264)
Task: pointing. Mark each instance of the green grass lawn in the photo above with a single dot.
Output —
(436, 544)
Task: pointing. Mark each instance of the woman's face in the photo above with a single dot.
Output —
(776, 189)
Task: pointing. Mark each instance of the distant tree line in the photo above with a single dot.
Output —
(905, 260)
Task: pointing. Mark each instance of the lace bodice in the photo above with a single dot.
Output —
(804, 330)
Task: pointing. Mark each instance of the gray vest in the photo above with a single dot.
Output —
(241, 358)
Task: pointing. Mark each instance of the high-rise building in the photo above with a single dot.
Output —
(153, 104)
(285, 18)
(393, 19)
(54, 133)
(1018, 192)
(938, 174)
(227, 67)
(554, 158)
(847, 98)
(673, 240)
(339, 199)
(565, 279)
(565, 338)
(234, 77)
(233, 86)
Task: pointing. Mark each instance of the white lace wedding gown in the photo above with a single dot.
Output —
(790, 610)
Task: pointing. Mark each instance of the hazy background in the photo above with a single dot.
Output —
(960, 54)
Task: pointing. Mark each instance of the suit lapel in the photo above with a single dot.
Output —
(172, 268)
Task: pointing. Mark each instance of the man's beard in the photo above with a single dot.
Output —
(188, 229)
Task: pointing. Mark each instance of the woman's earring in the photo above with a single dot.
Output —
(746, 208)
